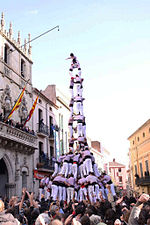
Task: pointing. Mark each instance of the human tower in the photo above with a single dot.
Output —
(76, 174)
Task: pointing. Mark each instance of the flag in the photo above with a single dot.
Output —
(31, 111)
(17, 104)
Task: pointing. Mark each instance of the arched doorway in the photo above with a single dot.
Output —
(3, 177)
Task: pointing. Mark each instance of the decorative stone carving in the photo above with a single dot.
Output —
(23, 112)
(6, 100)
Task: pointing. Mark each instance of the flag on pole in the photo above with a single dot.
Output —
(17, 104)
(31, 111)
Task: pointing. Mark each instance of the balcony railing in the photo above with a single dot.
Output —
(143, 181)
(45, 163)
(11, 136)
(44, 130)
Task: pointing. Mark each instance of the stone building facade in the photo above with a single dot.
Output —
(16, 146)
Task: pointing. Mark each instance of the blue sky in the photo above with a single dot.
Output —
(111, 39)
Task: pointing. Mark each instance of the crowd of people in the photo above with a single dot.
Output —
(31, 211)
(15, 124)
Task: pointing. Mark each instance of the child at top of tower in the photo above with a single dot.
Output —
(73, 57)
(75, 64)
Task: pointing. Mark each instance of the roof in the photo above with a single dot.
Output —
(146, 123)
(115, 164)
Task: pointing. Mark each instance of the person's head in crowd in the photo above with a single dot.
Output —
(85, 220)
(110, 216)
(56, 222)
(117, 222)
(43, 219)
(95, 219)
(89, 212)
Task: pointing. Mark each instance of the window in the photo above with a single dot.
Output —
(6, 52)
(23, 68)
(133, 142)
(40, 115)
(138, 139)
(51, 126)
(149, 130)
(146, 166)
(41, 153)
(143, 134)
(135, 167)
(120, 179)
(51, 152)
(119, 169)
(24, 179)
(141, 169)
(40, 101)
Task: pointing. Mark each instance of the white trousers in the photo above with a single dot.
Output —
(102, 191)
(84, 130)
(81, 109)
(41, 191)
(62, 193)
(112, 189)
(88, 166)
(74, 170)
(97, 191)
(64, 169)
(79, 129)
(54, 192)
(81, 170)
(78, 89)
(70, 130)
(76, 196)
(91, 193)
(78, 105)
(83, 194)
(56, 168)
(70, 193)
(96, 172)
(69, 168)
(71, 111)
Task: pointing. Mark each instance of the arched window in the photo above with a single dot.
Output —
(24, 179)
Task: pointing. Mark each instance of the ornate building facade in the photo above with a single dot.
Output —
(17, 145)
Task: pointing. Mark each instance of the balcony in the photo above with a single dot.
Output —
(42, 130)
(14, 138)
(143, 181)
(45, 163)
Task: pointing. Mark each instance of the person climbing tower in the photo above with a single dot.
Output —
(75, 64)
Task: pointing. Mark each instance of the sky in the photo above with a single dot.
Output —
(111, 39)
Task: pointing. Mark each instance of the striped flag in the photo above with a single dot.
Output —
(31, 111)
(17, 104)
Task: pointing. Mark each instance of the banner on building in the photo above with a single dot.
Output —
(17, 104)
(40, 174)
(31, 111)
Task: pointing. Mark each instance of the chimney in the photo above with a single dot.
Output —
(113, 160)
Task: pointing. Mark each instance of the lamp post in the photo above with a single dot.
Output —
(11, 51)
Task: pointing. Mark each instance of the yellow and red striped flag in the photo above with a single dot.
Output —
(17, 104)
(31, 111)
